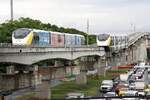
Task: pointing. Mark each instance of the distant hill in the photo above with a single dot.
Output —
(7, 28)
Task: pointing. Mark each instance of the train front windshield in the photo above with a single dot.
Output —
(103, 37)
(21, 33)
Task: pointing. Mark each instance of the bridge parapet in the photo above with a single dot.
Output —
(30, 55)
(46, 49)
(136, 36)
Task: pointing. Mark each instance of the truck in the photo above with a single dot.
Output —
(123, 77)
(139, 85)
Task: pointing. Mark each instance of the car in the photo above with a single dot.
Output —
(148, 93)
(146, 90)
(132, 86)
(111, 94)
(75, 95)
(141, 93)
(122, 91)
(130, 93)
(106, 86)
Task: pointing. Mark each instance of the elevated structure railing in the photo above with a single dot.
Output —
(132, 38)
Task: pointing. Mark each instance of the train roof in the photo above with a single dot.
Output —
(38, 30)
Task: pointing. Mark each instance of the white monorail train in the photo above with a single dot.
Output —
(26, 36)
(107, 40)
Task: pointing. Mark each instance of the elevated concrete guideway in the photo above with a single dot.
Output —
(31, 55)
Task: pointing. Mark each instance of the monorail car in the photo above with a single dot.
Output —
(115, 40)
(103, 40)
(26, 36)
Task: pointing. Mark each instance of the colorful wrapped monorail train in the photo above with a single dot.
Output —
(26, 36)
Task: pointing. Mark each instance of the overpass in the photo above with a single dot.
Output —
(31, 55)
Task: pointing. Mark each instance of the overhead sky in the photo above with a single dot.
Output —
(103, 15)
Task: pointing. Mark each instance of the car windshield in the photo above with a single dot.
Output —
(106, 84)
(21, 33)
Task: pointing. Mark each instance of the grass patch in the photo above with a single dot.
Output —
(27, 96)
(90, 89)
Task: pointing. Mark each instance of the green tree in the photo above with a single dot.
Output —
(7, 28)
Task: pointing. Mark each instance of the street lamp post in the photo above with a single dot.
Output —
(11, 9)
(87, 31)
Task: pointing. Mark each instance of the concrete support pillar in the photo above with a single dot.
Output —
(43, 90)
(16, 81)
(101, 66)
(129, 55)
(58, 63)
(142, 53)
(10, 69)
(81, 79)
(30, 77)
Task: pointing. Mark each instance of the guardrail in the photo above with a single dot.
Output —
(47, 46)
(136, 37)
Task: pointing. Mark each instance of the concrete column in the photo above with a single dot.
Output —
(101, 66)
(10, 70)
(58, 63)
(142, 53)
(43, 90)
(30, 78)
(81, 79)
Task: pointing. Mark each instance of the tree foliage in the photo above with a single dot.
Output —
(7, 28)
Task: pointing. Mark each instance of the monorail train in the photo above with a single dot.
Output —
(26, 36)
(103, 40)
(107, 40)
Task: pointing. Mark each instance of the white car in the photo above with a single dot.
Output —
(107, 85)
(110, 94)
(75, 95)
(141, 93)
(130, 93)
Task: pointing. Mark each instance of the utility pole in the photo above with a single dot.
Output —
(133, 27)
(11, 9)
(87, 32)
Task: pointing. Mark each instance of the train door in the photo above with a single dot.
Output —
(35, 39)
